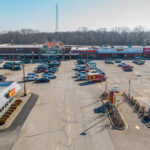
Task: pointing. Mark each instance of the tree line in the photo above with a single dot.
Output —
(102, 36)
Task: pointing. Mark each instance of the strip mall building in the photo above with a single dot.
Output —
(35, 51)
(113, 52)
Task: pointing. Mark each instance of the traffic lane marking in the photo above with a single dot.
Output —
(69, 140)
(69, 127)
(68, 117)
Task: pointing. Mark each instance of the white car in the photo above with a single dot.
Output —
(82, 77)
(32, 74)
(92, 67)
(30, 78)
(80, 73)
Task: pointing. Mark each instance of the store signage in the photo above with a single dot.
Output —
(119, 50)
(146, 50)
(11, 92)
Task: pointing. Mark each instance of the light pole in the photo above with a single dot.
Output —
(129, 89)
(24, 81)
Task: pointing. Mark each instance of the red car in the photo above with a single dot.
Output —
(127, 66)
(40, 70)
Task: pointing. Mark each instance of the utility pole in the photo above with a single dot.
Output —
(24, 81)
(129, 94)
(106, 87)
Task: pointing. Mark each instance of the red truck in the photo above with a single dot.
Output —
(92, 77)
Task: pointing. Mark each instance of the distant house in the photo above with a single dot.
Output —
(52, 48)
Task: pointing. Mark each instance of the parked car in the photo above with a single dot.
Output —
(81, 68)
(82, 77)
(109, 62)
(128, 69)
(81, 73)
(1, 60)
(32, 74)
(7, 65)
(3, 78)
(52, 70)
(30, 78)
(16, 67)
(92, 67)
(118, 61)
(100, 72)
(135, 61)
(49, 75)
(141, 62)
(80, 61)
(121, 64)
(127, 66)
(26, 61)
(40, 70)
(44, 80)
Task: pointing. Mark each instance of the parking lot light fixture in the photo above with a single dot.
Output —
(24, 81)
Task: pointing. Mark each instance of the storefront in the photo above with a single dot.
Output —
(8, 91)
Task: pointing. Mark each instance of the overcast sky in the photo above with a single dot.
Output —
(94, 14)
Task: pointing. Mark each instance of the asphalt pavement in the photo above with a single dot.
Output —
(63, 117)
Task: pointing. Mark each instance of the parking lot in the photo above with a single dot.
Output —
(63, 117)
(140, 79)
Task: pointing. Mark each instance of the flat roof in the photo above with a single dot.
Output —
(4, 85)
(21, 46)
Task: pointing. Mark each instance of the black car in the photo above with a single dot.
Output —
(128, 69)
(118, 61)
(2, 78)
(44, 80)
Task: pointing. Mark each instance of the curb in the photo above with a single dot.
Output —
(137, 113)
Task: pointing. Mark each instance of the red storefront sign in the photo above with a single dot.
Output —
(11, 92)
(146, 50)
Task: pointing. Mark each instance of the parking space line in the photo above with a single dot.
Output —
(69, 141)
(68, 117)
(137, 127)
(98, 84)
